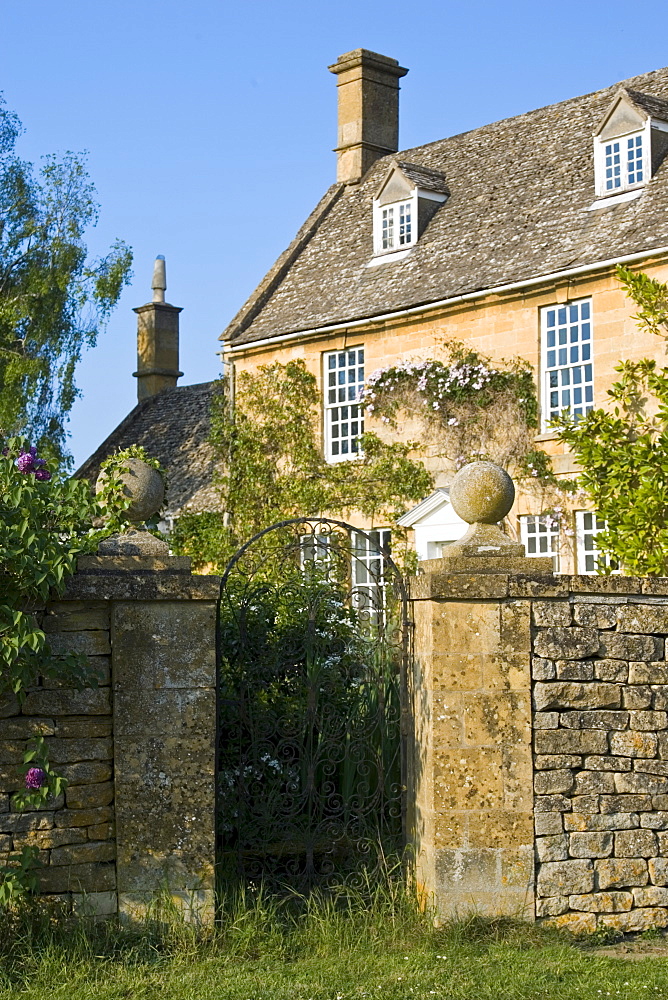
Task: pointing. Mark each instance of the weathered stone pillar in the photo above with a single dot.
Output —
(163, 669)
(472, 768)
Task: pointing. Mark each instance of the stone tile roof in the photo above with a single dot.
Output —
(174, 427)
(656, 107)
(519, 194)
(428, 180)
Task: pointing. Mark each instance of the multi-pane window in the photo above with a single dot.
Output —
(568, 376)
(589, 559)
(540, 535)
(315, 552)
(623, 163)
(634, 171)
(344, 420)
(368, 568)
(613, 166)
(396, 226)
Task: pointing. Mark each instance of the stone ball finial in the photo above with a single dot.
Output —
(482, 493)
(145, 487)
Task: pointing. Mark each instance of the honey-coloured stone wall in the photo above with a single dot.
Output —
(75, 834)
(600, 692)
(138, 750)
(539, 771)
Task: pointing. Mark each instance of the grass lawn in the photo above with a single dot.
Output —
(320, 954)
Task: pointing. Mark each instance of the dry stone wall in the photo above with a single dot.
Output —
(600, 692)
(74, 835)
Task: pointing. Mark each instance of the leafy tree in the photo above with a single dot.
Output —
(623, 457)
(53, 298)
(651, 297)
(622, 451)
(271, 467)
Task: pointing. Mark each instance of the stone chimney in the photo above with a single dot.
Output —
(157, 339)
(368, 88)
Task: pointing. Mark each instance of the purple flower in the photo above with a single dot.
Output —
(25, 462)
(29, 462)
(35, 778)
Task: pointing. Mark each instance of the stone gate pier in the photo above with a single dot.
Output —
(539, 772)
(138, 750)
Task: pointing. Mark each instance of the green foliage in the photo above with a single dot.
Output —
(52, 784)
(46, 522)
(623, 450)
(44, 526)
(470, 409)
(623, 455)
(651, 297)
(53, 299)
(271, 467)
(18, 876)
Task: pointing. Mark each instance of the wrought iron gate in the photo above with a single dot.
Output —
(313, 645)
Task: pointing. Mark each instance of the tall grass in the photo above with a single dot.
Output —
(252, 922)
(350, 942)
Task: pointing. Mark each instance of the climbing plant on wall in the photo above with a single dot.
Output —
(469, 408)
(270, 467)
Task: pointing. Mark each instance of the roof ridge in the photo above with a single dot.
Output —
(618, 84)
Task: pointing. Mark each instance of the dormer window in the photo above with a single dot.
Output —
(405, 202)
(629, 144)
(624, 163)
(396, 225)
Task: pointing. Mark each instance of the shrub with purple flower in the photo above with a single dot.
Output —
(35, 778)
(29, 462)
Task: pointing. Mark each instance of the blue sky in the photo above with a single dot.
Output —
(210, 126)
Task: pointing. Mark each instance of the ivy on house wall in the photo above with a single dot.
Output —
(270, 467)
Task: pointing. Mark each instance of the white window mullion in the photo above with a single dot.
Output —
(344, 418)
(540, 536)
(394, 226)
(567, 360)
(590, 560)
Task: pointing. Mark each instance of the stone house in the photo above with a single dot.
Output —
(505, 238)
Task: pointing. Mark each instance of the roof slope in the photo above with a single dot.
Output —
(519, 193)
(174, 427)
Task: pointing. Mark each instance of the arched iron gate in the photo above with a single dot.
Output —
(313, 650)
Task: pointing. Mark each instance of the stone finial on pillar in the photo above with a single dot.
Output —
(146, 489)
(159, 283)
(482, 494)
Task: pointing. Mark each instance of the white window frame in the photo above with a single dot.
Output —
(570, 366)
(364, 553)
(331, 418)
(600, 167)
(395, 206)
(582, 532)
(548, 532)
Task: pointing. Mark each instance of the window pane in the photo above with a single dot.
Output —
(344, 424)
(540, 535)
(567, 325)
